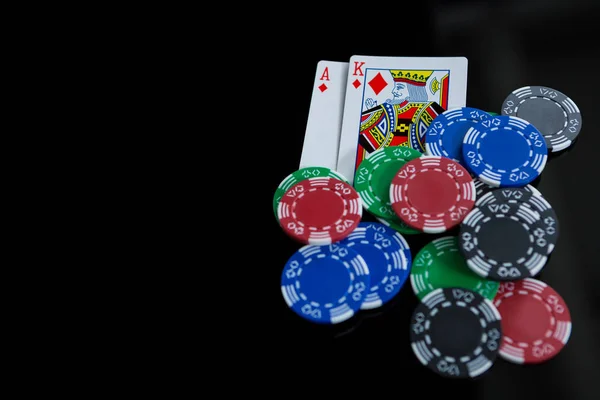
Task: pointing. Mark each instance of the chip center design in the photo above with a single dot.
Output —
(529, 318)
(505, 147)
(432, 192)
(334, 280)
(546, 115)
(492, 240)
(320, 208)
(454, 330)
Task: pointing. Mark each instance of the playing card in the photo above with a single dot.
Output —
(390, 101)
(322, 136)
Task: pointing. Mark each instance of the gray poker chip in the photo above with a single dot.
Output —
(555, 115)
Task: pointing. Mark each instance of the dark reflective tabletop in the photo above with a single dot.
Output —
(508, 45)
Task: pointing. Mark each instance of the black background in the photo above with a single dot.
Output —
(509, 44)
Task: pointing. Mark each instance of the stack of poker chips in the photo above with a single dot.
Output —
(476, 283)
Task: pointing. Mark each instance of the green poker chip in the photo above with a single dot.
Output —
(374, 176)
(397, 224)
(440, 264)
(493, 114)
(300, 175)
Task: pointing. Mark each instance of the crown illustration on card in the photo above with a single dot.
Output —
(411, 76)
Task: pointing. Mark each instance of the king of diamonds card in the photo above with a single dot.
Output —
(390, 101)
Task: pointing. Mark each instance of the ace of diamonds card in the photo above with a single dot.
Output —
(390, 101)
(322, 136)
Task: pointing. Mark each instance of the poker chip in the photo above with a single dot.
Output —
(554, 114)
(401, 241)
(396, 223)
(432, 193)
(387, 256)
(456, 333)
(300, 175)
(440, 264)
(493, 114)
(374, 175)
(505, 151)
(547, 215)
(446, 133)
(504, 241)
(536, 322)
(319, 210)
(482, 188)
(325, 284)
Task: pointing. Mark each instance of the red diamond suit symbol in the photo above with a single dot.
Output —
(378, 83)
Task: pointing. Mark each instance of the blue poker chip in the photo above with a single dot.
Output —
(325, 284)
(446, 133)
(394, 234)
(505, 151)
(388, 257)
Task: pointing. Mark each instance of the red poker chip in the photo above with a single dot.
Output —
(320, 210)
(432, 194)
(536, 323)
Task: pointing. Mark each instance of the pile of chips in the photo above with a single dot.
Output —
(478, 296)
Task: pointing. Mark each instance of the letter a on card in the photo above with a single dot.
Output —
(321, 140)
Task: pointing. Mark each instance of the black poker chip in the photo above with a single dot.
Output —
(456, 332)
(482, 189)
(504, 241)
(536, 202)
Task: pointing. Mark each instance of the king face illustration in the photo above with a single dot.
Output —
(402, 105)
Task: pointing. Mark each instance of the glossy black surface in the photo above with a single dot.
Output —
(509, 45)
